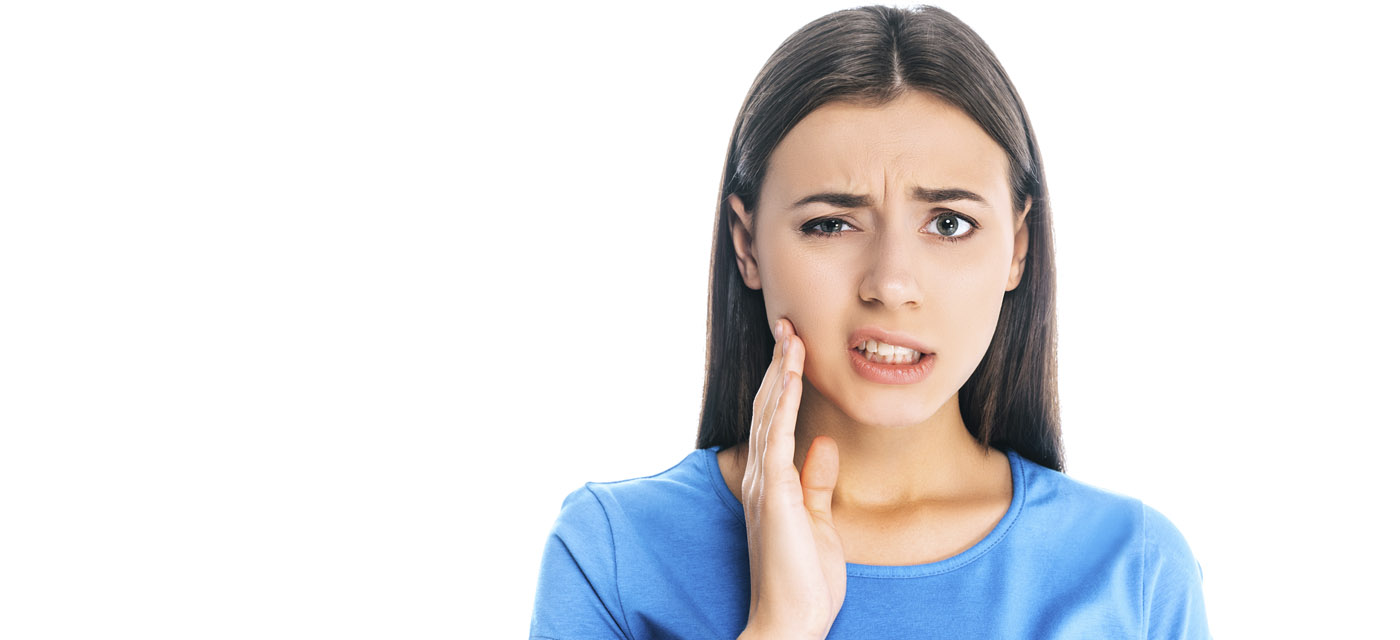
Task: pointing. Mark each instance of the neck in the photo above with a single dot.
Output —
(886, 467)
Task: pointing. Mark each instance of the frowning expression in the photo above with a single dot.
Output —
(893, 220)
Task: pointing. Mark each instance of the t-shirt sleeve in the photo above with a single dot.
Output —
(577, 595)
(1172, 600)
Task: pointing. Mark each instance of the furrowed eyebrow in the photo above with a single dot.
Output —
(922, 194)
(843, 200)
(945, 195)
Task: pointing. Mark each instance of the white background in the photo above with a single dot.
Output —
(311, 314)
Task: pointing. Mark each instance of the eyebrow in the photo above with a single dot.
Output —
(947, 195)
(922, 194)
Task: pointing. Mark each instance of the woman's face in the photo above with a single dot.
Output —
(896, 218)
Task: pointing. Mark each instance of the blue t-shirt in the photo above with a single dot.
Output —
(666, 557)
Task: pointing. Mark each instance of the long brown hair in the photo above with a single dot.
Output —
(871, 55)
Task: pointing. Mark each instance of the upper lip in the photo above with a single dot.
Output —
(888, 337)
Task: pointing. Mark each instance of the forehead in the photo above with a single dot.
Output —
(916, 139)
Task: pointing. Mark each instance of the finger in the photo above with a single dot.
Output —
(761, 402)
(781, 431)
(767, 397)
(779, 442)
(819, 472)
(764, 420)
(797, 355)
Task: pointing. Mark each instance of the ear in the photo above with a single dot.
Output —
(741, 230)
(1021, 244)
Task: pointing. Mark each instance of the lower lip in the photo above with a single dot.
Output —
(891, 373)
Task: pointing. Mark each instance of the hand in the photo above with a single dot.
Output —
(796, 565)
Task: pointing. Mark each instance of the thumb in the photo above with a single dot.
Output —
(819, 476)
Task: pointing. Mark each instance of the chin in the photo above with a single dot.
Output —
(885, 406)
(892, 415)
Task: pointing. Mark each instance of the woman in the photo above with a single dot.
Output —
(879, 450)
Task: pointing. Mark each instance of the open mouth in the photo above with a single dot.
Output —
(881, 353)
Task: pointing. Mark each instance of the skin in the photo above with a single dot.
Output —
(890, 474)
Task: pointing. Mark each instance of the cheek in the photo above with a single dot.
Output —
(969, 306)
(808, 288)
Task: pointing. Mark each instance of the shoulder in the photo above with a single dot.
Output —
(1091, 504)
(628, 553)
(1055, 500)
(586, 574)
(1172, 591)
(601, 520)
(648, 501)
(695, 479)
(1140, 539)
(1164, 546)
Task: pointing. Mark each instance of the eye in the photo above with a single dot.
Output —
(952, 226)
(825, 227)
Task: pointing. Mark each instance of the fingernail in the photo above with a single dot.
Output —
(785, 344)
(778, 329)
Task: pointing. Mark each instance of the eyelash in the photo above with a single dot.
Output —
(810, 229)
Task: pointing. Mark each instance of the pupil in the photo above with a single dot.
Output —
(947, 225)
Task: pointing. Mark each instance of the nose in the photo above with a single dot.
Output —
(890, 276)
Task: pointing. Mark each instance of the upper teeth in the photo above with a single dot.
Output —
(875, 346)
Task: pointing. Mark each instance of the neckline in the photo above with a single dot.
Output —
(998, 533)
